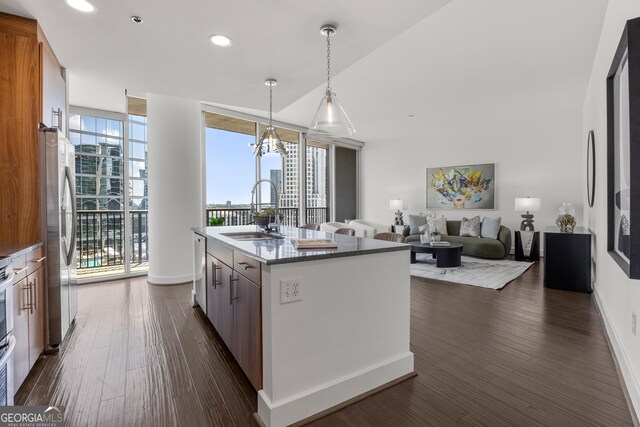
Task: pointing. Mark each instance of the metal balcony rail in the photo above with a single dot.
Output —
(241, 216)
(100, 235)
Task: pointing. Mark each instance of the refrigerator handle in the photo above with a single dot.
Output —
(74, 214)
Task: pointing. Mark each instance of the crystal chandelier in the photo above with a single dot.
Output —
(270, 141)
(330, 120)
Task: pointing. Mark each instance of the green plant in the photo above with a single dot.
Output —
(267, 213)
(215, 221)
(435, 233)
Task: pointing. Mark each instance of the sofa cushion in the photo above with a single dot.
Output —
(453, 228)
(415, 221)
(481, 248)
(490, 227)
(470, 227)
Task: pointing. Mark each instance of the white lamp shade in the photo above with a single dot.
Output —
(531, 204)
(397, 204)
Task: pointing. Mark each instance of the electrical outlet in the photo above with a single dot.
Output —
(633, 322)
(290, 290)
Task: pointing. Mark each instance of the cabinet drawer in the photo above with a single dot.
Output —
(220, 251)
(20, 268)
(247, 266)
(35, 259)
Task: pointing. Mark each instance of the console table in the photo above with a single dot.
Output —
(567, 259)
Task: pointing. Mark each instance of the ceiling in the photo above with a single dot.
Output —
(170, 53)
(448, 63)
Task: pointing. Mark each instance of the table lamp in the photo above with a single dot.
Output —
(528, 204)
(398, 204)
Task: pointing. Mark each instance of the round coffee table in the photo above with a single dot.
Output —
(446, 256)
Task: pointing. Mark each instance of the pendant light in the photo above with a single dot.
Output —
(270, 141)
(330, 120)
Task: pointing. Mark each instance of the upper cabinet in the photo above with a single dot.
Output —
(32, 86)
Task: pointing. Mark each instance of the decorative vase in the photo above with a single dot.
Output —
(435, 237)
(424, 238)
(566, 223)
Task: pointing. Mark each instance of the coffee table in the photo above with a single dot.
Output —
(446, 256)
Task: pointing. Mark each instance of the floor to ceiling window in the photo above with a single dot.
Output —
(112, 224)
(232, 170)
(317, 182)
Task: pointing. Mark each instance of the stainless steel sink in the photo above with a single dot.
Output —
(251, 236)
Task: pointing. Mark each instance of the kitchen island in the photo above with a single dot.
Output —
(313, 330)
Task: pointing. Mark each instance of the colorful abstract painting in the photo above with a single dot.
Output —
(461, 187)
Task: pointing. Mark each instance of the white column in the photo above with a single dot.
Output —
(175, 186)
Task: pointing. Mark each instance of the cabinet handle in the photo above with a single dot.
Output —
(39, 260)
(216, 282)
(28, 306)
(20, 271)
(34, 295)
(28, 298)
(245, 265)
(231, 297)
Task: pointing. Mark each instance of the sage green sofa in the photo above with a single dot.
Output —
(472, 246)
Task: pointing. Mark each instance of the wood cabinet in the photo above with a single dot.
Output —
(234, 306)
(29, 316)
(29, 70)
(247, 328)
(219, 304)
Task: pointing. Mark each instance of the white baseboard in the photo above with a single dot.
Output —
(328, 395)
(170, 280)
(629, 376)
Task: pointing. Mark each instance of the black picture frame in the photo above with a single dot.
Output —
(591, 168)
(623, 150)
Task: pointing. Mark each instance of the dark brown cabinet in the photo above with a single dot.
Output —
(219, 307)
(234, 306)
(247, 328)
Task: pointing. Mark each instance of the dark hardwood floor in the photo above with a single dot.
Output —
(140, 355)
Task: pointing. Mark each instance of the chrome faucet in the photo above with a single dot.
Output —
(270, 226)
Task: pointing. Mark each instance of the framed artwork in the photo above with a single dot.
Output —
(623, 151)
(461, 187)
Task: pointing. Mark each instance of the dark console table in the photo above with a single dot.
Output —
(567, 259)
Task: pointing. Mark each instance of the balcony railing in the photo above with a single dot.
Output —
(242, 216)
(101, 238)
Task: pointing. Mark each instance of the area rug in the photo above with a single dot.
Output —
(485, 273)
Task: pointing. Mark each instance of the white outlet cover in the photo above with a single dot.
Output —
(290, 290)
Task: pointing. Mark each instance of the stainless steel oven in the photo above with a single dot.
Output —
(7, 341)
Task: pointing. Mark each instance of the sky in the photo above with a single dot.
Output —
(231, 167)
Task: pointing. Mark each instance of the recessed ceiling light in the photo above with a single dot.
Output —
(81, 5)
(220, 40)
(137, 19)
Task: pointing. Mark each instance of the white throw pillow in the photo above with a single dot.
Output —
(438, 223)
(490, 227)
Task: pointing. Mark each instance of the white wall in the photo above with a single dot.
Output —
(534, 142)
(490, 84)
(175, 186)
(618, 296)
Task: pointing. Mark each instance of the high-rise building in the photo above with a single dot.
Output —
(276, 177)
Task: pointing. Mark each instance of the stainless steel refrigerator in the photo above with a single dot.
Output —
(61, 217)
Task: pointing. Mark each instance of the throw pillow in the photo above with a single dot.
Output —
(490, 227)
(470, 227)
(415, 221)
(438, 223)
